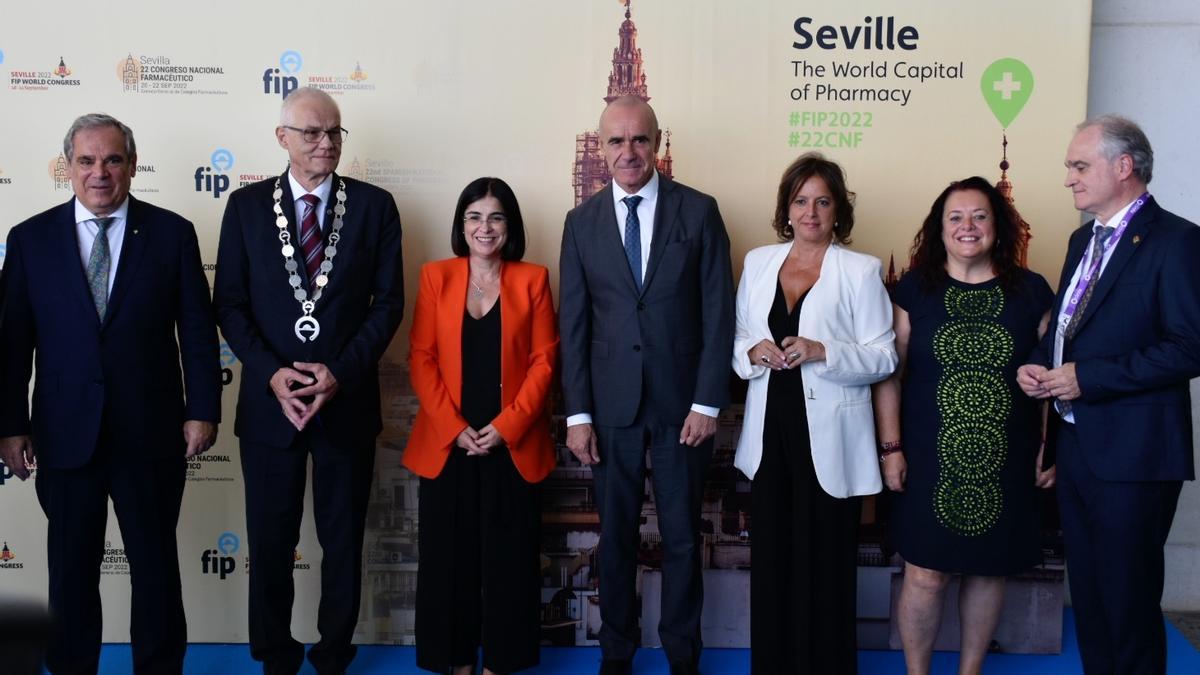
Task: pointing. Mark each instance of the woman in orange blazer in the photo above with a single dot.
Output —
(482, 353)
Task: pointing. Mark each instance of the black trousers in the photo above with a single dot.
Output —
(804, 574)
(275, 481)
(678, 473)
(479, 580)
(146, 496)
(1114, 535)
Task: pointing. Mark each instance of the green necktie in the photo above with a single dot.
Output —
(97, 267)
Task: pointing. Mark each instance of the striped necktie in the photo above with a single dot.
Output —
(310, 239)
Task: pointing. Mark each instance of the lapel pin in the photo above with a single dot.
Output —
(1137, 239)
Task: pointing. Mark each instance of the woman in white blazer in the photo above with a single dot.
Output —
(814, 331)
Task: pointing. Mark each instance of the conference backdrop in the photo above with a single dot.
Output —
(906, 95)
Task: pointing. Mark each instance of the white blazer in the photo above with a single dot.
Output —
(849, 312)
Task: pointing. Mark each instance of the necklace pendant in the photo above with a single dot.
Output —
(307, 328)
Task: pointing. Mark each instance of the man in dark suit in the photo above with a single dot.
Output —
(1117, 366)
(309, 292)
(98, 289)
(646, 317)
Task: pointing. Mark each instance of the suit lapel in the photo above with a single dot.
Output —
(608, 237)
(664, 223)
(132, 248)
(1130, 240)
(455, 297)
(345, 235)
(513, 309)
(287, 201)
(67, 246)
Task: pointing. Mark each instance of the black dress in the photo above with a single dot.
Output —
(479, 580)
(970, 435)
(803, 541)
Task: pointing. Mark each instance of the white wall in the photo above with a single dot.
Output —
(1144, 56)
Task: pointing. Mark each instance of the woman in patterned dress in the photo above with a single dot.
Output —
(959, 445)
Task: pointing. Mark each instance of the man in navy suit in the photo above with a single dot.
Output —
(646, 317)
(309, 292)
(1117, 368)
(108, 294)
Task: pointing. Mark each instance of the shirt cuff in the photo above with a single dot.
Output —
(579, 418)
(706, 410)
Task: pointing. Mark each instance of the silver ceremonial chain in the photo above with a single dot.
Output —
(308, 323)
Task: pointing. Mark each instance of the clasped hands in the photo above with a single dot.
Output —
(794, 351)
(478, 443)
(315, 380)
(1040, 382)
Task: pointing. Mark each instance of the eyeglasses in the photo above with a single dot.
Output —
(492, 219)
(337, 135)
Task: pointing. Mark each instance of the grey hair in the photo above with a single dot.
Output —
(294, 98)
(1122, 136)
(95, 121)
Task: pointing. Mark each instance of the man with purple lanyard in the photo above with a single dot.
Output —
(1117, 366)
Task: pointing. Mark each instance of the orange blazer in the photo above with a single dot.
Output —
(528, 350)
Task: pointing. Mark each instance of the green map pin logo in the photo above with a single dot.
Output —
(1006, 85)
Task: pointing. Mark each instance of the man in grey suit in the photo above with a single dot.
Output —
(646, 317)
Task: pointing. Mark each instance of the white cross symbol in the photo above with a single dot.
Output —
(1006, 86)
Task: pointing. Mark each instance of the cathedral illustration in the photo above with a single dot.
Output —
(131, 74)
(590, 174)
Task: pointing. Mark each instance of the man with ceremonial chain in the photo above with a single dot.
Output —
(309, 291)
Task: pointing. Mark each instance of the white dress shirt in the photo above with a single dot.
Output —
(1063, 318)
(321, 191)
(645, 214)
(85, 233)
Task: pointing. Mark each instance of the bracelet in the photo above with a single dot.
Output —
(889, 447)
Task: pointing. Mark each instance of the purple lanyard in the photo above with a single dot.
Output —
(1093, 268)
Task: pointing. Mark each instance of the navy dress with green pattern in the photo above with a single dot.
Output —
(970, 435)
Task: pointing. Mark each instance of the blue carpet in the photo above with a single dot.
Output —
(205, 659)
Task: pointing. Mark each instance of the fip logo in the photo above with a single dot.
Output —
(228, 358)
(220, 560)
(282, 80)
(216, 183)
(5, 473)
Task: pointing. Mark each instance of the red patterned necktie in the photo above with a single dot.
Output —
(310, 240)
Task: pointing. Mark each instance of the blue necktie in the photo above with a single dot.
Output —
(633, 239)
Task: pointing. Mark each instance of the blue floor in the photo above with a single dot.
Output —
(203, 659)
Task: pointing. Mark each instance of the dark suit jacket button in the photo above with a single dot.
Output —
(637, 348)
(641, 305)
